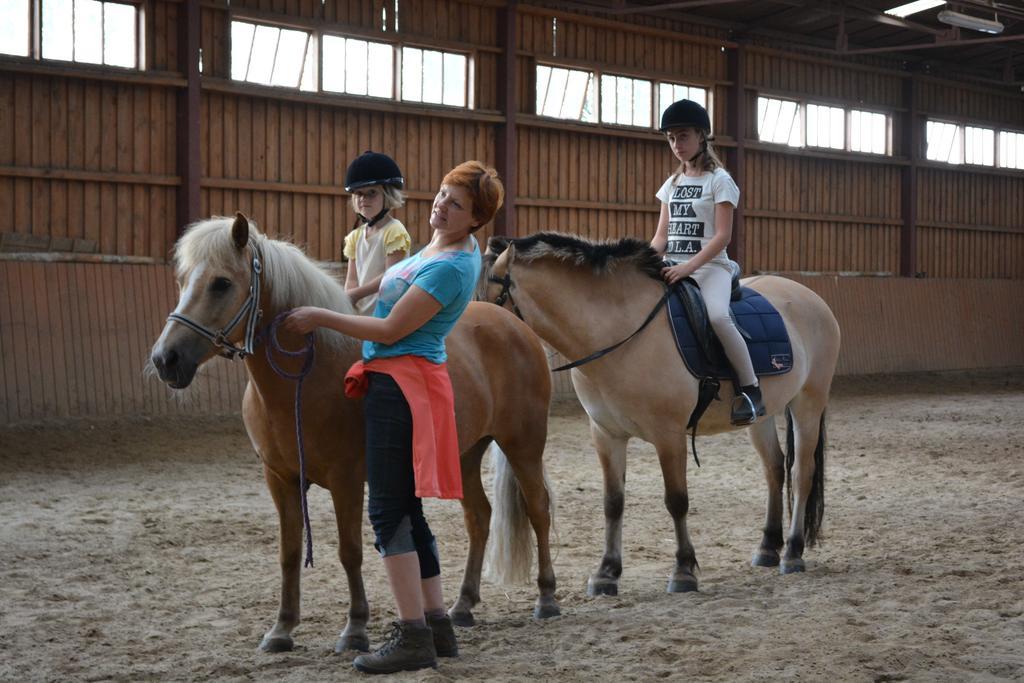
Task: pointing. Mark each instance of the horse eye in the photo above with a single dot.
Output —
(220, 284)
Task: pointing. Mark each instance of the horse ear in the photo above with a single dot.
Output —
(497, 244)
(240, 230)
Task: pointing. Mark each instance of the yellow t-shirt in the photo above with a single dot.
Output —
(368, 254)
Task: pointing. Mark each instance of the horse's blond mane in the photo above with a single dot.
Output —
(601, 257)
(296, 280)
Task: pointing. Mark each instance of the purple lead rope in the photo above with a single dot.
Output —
(309, 352)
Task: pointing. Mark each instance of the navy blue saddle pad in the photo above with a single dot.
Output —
(766, 337)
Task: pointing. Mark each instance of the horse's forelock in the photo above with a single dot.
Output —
(209, 242)
(602, 257)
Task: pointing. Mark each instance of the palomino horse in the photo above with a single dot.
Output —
(226, 266)
(581, 297)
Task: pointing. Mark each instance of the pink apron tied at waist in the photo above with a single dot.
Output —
(435, 439)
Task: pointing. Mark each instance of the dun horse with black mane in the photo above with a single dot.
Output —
(228, 274)
(581, 296)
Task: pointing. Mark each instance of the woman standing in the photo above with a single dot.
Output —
(380, 241)
(695, 227)
(411, 442)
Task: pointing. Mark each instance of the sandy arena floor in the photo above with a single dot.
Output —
(146, 550)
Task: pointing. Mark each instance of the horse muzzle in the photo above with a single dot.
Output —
(175, 364)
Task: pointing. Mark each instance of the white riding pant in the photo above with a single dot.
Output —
(715, 280)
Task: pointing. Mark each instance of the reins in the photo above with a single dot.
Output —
(309, 353)
(506, 295)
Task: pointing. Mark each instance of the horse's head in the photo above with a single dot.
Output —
(496, 283)
(217, 265)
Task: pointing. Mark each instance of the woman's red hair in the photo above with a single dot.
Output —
(484, 187)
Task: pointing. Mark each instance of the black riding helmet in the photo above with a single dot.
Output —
(685, 114)
(373, 168)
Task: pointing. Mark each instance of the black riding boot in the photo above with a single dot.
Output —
(748, 405)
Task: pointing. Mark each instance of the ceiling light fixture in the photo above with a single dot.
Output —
(948, 16)
(905, 10)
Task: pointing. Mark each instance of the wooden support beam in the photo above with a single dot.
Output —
(736, 120)
(506, 133)
(911, 124)
(187, 128)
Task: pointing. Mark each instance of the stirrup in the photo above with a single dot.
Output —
(743, 410)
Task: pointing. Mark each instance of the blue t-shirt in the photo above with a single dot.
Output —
(450, 277)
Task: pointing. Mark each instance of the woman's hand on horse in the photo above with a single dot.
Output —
(674, 274)
(302, 320)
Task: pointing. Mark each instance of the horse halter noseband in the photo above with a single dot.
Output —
(250, 310)
(506, 293)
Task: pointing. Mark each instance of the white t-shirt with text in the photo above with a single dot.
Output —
(691, 209)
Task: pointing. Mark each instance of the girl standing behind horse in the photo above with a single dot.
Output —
(695, 227)
(411, 440)
(381, 241)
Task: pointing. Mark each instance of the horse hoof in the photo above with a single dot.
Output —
(684, 585)
(277, 644)
(546, 611)
(596, 587)
(352, 643)
(463, 619)
(792, 566)
(763, 558)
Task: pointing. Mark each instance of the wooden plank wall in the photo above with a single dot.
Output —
(90, 153)
(75, 339)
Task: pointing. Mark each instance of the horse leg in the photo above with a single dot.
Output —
(348, 513)
(766, 441)
(806, 458)
(672, 457)
(477, 513)
(611, 450)
(289, 512)
(525, 455)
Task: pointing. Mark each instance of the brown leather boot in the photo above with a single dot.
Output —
(444, 636)
(407, 648)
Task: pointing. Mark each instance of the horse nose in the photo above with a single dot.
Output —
(166, 363)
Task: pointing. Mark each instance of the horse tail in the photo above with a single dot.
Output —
(509, 555)
(814, 511)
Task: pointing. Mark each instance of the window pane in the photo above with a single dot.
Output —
(119, 34)
(381, 70)
(1011, 149)
(777, 121)
(869, 132)
(543, 76)
(356, 66)
(291, 55)
(454, 79)
(642, 103)
(89, 31)
(555, 92)
(308, 82)
(825, 127)
(412, 74)
(943, 142)
(264, 47)
(14, 37)
(58, 35)
(432, 77)
(241, 48)
(980, 146)
(609, 98)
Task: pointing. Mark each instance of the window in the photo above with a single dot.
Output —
(90, 31)
(358, 67)
(778, 121)
(434, 77)
(979, 146)
(869, 132)
(826, 126)
(673, 92)
(272, 56)
(626, 101)
(14, 17)
(566, 93)
(1011, 149)
(944, 142)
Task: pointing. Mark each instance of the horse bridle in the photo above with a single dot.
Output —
(250, 307)
(506, 295)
